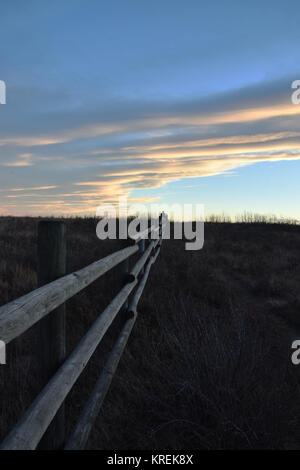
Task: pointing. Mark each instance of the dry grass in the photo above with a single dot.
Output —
(208, 364)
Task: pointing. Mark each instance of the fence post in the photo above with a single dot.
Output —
(160, 221)
(141, 244)
(160, 224)
(149, 239)
(123, 270)
(51, 329)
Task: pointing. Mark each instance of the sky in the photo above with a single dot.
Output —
(163, 102)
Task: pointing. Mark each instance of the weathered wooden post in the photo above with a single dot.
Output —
(123, 270)
(123, 267)
(160, 221)
(148, 240)
(51, 330)
(141, 244)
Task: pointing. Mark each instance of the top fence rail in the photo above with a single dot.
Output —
(19, 315)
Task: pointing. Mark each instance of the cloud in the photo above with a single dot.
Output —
(36, 188)
(95, 157)
(23, 160)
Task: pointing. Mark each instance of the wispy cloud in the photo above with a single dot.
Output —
(144, 145)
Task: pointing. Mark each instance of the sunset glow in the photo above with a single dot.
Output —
(86, 124)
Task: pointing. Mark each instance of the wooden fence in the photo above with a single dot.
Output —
(43, 422)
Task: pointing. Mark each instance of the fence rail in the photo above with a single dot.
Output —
(19, 315)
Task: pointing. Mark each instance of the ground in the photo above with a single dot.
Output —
(208, 365)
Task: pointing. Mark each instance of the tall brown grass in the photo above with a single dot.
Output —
(208, 363)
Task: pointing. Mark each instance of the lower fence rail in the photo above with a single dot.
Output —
(80, 435)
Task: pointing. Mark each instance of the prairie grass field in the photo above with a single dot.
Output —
(208, 364)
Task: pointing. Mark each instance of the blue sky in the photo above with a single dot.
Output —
(165, 101)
